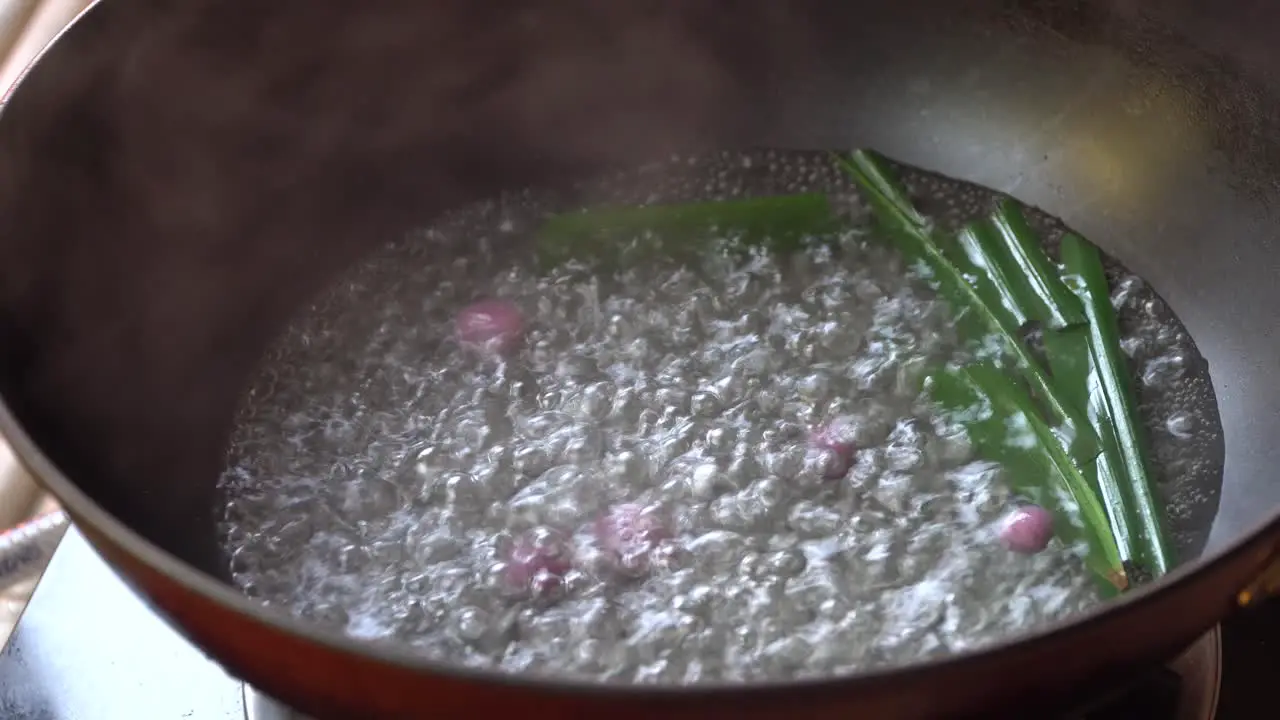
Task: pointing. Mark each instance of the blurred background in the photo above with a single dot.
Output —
(26, 27)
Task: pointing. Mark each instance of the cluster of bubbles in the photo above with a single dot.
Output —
(662, 474)
(1176, 401)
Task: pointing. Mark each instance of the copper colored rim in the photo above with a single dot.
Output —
(1200, 668)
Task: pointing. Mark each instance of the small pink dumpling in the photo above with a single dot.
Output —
(836, 438)
(629, 534)
(538, 562)
(1027, 530)
(491, 324)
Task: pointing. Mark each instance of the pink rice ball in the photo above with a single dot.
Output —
(538, 561)
(1027, 530)
(836, 438)
(491, 324)
(629, 534)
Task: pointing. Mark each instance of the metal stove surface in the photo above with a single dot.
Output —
(88, 649)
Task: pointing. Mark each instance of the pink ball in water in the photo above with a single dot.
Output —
(538, 561)
(836, 439)
(1027, 529)
(490, 324)
(630, 534)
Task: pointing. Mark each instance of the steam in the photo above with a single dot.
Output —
(178, 177)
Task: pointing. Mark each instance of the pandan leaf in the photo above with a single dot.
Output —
(972, 292)
(1113, 399)
(778, 223)
(1005, 426)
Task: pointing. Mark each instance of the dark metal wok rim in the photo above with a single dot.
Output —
(83, 509)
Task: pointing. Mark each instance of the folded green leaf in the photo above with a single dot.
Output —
(1075, 373)
(779, 223)
(969, 291)
(982, 248)
(1085, 275)
(1005, 249)
(1006, 427)
(1039, 289)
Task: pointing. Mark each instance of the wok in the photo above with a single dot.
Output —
(177, 178)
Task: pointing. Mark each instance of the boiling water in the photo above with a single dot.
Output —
(381, 474)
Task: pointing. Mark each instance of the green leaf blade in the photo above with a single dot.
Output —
(1085, 274)
(1075, 372)
(1035, 282)
(778, 223)
(914, 237)
(981, 245)
(1005, 425)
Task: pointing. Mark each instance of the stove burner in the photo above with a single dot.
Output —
(1200, 668)
(1185, 689)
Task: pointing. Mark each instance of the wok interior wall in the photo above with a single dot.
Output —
(172, 189)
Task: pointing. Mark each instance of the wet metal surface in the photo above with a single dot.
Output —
(88, 649)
